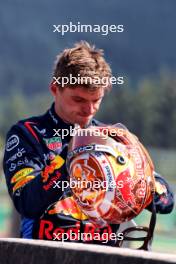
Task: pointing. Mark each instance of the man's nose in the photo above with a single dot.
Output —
(89, 108)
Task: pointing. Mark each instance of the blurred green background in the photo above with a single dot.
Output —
(144, 54)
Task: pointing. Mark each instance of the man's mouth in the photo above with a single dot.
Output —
(85, 115)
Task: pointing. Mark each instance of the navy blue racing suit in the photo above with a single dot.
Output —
(34, 161)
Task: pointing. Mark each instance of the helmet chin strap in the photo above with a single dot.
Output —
(148, 240)
(149, 230)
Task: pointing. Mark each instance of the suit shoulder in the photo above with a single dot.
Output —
(22, 125)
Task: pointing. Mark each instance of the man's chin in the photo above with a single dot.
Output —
(84, 121)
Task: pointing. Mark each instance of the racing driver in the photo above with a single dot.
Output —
(36, 150)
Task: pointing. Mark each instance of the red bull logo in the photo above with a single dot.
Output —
(49, 231)
(126, 190)
(56, 163)
(68, 206)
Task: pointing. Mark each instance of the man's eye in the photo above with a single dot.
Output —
(78, 100)
(96, 101)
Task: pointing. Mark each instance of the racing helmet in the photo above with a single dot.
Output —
(111, 174)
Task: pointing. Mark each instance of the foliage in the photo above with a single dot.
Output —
(148, 111)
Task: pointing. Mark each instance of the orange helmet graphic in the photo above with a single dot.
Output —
(111, 174)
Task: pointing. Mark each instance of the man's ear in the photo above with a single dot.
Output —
(53, 88)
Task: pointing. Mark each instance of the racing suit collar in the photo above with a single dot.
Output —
(57, 120)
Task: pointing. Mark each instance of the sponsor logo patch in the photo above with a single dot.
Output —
(56, 163)
(12, 142)
(18, 154)
(21, 173)
(22, 177)
(68, 206)
(18, 164)
(53, 143)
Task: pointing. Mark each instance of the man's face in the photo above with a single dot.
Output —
(77, 105)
